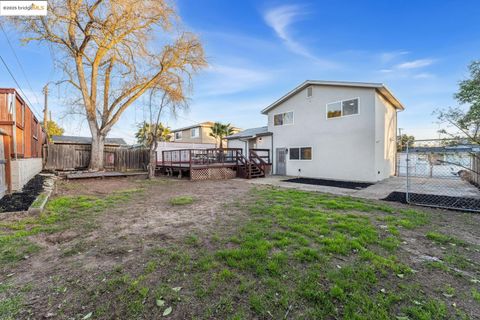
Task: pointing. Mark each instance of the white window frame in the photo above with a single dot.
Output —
(299, 153)
(284, 124)
(178, 132)
(196, 129)
(341, 103)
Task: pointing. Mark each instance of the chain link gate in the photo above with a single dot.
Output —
(442, 176)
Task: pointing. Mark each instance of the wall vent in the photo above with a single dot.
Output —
(309, 92)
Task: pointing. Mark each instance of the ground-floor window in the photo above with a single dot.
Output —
(300, 153)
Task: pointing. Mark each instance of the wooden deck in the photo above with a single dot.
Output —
(104, 174)
(204, 164)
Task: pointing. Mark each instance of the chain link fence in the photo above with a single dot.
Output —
(441, 174)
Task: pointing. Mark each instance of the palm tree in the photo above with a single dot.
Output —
(146, 133)
(220, 131)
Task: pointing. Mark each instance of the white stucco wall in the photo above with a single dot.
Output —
(263, 142)
(23, 170)
(385, 137)
(343, 148)
(237, 143)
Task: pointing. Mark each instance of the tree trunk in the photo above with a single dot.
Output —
(96, 155)
(153, 159)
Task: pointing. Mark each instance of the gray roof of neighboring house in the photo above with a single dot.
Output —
(380, 87)
(250, 133)
(85, 140)
(201, 124)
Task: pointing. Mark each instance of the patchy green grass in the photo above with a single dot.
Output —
(60, 214)
(444, 239)
(181, 200)
(297, 255)
(476, 295)
(300, 255)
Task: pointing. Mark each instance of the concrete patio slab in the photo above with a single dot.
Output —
(381, 189)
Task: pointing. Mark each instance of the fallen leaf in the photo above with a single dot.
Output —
(167, 311)
(160, 302)
(400, 275)
(87, 316)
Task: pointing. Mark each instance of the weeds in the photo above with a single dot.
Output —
(181, 200)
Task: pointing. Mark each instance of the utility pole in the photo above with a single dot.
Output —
(45, 112)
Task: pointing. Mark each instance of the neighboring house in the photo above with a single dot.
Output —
(75, 140)
(22, 142)
(332, 130)
(254, 138)
(198, 133)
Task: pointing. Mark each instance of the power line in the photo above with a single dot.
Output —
(23, 72)
(18, 85)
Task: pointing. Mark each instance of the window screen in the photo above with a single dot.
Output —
(294, 154)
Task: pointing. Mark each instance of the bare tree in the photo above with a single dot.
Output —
(110, 55)
(155, 129)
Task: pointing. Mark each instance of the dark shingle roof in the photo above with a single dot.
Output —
(252, 132)
(85, 140)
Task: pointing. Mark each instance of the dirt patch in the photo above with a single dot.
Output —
(124, 235)
(97, 186)
(21, 201)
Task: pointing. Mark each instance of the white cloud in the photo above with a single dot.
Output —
(415, 64)
(386, 57)
(423, 75)
(222, 79)
(280, 20)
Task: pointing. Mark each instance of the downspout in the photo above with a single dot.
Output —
(14, 125)
(273, 155)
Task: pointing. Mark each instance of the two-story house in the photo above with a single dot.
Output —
(198, 133)
(330, 130)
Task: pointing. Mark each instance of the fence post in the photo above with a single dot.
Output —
(407, 193)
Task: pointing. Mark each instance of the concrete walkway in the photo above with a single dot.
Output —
(381, 189)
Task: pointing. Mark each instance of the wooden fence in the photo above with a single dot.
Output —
(474, 175)
(63, 157)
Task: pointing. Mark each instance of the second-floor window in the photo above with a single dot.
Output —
(283, 118)
(195, 132)
(178, 135)
(342, 108)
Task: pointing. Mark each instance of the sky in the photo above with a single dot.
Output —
(258, 51)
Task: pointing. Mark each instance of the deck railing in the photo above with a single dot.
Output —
(189, 157)
(186, 159)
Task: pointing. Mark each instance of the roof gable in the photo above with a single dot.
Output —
(379, 87)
